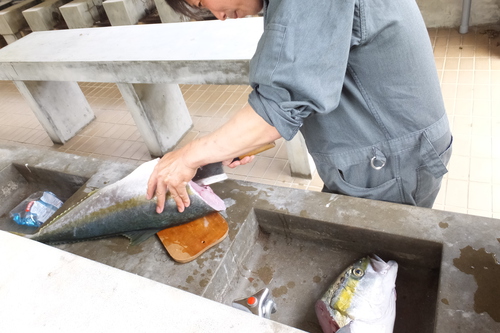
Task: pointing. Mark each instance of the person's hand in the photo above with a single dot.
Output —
(171, 174)
(234, 163)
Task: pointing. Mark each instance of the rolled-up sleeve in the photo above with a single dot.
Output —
(301, 60)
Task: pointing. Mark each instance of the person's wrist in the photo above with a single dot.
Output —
(188, 159)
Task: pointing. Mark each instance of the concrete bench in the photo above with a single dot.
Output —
(5, 4)
(12, 19)
(167, 14)
(127, 12)
(147, 62)
(44, 16)
(82, 13)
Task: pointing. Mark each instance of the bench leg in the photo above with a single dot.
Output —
(12, 38)
(61, 107)
(160, 113)
(301, 164)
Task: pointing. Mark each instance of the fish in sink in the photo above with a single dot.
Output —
(122, 209)
(362, 299)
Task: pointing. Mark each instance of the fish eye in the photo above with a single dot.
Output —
(358, 272)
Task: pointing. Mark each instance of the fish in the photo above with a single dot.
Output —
(122, 208)
(362, 299)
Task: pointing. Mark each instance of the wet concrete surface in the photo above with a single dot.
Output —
(295, 243)
(486, 271)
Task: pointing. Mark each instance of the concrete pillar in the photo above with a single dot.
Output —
(82, 13)
(301, 163)
(12, 20)
(44, 16)
(160, 113)
(167, 14)
(127, 12)
(61, 107)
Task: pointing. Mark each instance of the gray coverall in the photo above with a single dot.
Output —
(358, 79)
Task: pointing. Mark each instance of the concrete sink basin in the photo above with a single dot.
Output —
(295, 243)
(298, 258)
(17, 182)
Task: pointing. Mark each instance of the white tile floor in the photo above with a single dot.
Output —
(469, 68)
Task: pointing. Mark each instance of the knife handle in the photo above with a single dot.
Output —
(257, 151)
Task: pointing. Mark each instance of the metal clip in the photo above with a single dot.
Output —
(378, 160)
(259, 304)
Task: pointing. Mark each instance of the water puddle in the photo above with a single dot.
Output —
(486, 271)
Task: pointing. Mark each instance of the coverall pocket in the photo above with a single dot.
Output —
(363, 181)
(428, 184)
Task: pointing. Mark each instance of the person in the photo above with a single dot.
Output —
(356, 77)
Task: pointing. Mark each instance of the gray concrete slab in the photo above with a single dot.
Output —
(187, 53)
(55, 291)
(296, 242)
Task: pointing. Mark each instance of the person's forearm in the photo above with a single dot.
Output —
(244, 132)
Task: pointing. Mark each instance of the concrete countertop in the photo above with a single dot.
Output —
(150, 53)
(44, 289)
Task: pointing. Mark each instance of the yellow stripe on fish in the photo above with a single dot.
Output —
(344, 299)
(349, 282)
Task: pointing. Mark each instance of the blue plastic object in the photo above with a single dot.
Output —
(36, 209)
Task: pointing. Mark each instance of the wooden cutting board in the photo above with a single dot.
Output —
(188, 241)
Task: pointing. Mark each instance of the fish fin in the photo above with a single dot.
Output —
(379, 265)
(137, 237)
(345, 329)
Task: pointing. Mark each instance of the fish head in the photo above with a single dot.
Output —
(364, 292)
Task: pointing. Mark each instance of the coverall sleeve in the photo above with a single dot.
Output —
(301, 60)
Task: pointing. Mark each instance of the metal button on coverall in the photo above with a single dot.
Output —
(358, 79)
